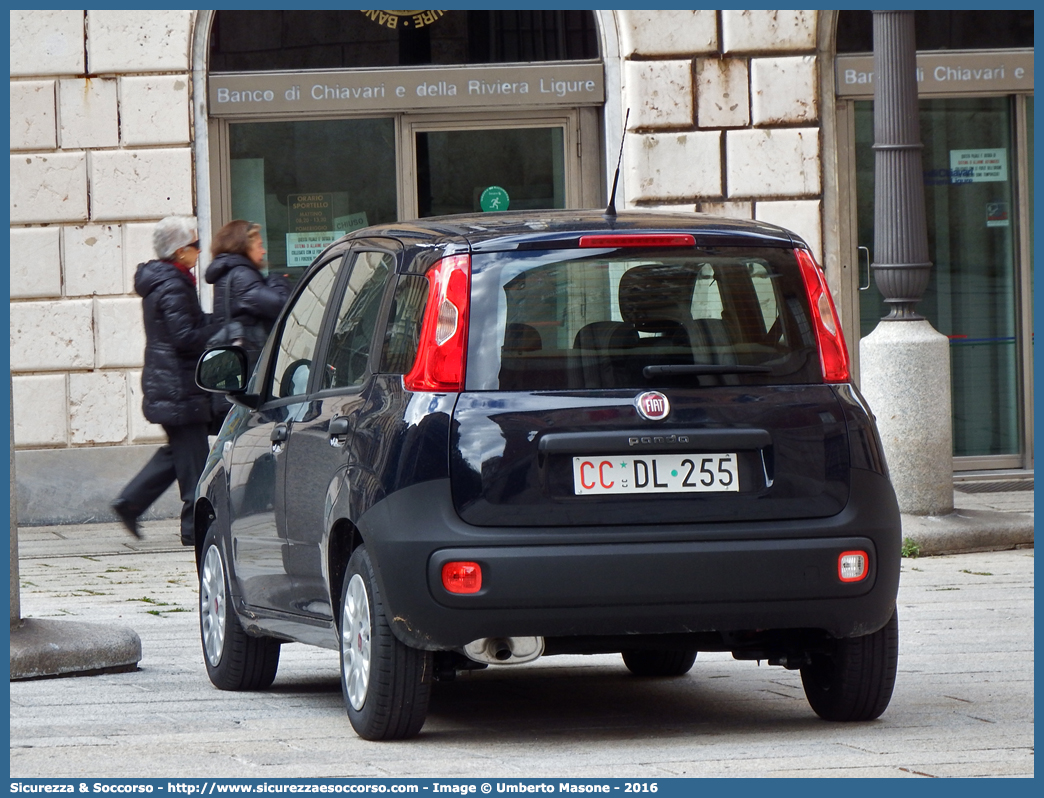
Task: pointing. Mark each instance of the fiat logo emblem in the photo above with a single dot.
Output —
(653, 406)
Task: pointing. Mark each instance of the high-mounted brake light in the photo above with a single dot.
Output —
(441, 351)
(833, 354)
(638, 240)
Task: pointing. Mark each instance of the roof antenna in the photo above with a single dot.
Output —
(610, 209)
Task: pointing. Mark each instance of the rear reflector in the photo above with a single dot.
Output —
(853, 566)
(462, 577)
(442, 348)
(637, 240)
(833, 354)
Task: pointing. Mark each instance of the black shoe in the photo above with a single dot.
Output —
(127, 516)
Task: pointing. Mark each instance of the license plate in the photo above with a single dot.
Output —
(658, 473)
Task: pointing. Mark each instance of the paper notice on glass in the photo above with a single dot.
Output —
(978, 166)
(303, 248)
(354, 221)
(997, 214)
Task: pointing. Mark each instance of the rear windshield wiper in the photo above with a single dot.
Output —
(704, 368)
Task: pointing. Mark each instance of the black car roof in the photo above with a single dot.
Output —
(512, 229)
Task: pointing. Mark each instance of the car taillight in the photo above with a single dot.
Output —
(833, 354)
(462, 577)
(441, 351)
(638, 240)
(853, 566)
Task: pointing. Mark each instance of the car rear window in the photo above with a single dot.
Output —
(628, 318)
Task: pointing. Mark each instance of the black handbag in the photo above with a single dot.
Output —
(232, 333)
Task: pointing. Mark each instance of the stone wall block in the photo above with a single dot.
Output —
(773, 163)
(93, 260)
(52, 336)
(659, 94)
(801, 216)
(32, 115)
(49, 188)
(36, 262)
(783, 90)
(154, 110)
(48, 43)
(668, 207)
(730, 210)
(141, 184)
(41, 410)
(138, 41)
(137, 248)
(97, 407)
(672, 166)
(668, 32)
(722, 96)
(141, 431)
(119, 332)
(87, 113)
(747, 31)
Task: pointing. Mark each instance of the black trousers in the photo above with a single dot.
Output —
(181, 459)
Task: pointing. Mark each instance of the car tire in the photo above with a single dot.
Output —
(234, 659)
(855, 682)
(386, 684)
(652, 662)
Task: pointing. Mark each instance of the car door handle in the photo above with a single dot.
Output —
(279, 436)
(339, 431)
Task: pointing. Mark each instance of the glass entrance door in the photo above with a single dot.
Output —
(455, 168)
(970, 167)
(481, 164)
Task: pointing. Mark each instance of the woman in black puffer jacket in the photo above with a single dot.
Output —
(239, 276)
(243, 291)
(176, 332)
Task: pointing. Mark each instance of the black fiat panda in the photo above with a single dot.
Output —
(473, 441)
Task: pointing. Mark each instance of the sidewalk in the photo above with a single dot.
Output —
(982, 521)
(988, 516)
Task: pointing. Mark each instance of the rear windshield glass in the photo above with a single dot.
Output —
(625, 318)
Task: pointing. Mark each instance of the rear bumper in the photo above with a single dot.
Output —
(656, 579)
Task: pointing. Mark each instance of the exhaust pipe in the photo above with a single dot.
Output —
(505, 650)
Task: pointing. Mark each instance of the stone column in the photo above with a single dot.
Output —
(904, 362)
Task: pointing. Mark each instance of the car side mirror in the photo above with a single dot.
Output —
(224, 370)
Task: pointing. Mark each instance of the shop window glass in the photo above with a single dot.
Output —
(968, 162)
(308, 183)
(943, 30)
(249, 41)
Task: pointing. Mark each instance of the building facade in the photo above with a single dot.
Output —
(315, 123)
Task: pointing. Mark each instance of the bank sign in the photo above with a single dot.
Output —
(529, 86)
(940, 73)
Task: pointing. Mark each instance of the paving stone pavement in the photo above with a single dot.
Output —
(963, 704)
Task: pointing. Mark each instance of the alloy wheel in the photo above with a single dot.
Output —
(212, 605)
(355, 641)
